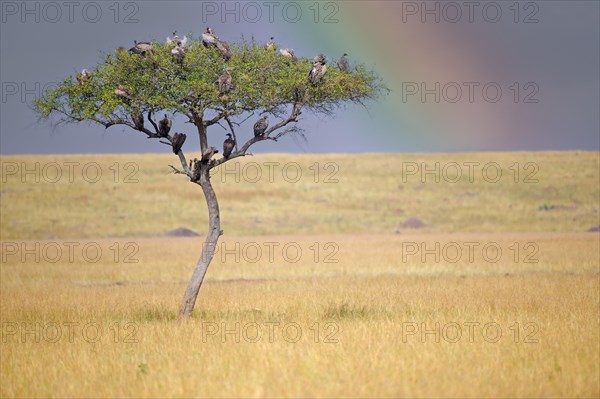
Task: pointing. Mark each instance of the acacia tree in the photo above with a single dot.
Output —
(130, 88)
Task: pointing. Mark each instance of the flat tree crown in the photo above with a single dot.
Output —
(261, 80)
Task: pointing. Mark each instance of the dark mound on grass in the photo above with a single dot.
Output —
(412, 223)
(181, 232)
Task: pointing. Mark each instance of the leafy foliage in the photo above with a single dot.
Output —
(263, 81)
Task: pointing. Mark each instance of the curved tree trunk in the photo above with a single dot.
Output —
(210, 245)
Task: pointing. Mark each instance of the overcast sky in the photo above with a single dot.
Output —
(543, 56)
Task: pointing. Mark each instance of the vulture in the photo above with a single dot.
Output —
(260, 126)
(223, 48)
(320, 59)
(318, 70)
(289, 53)
(164, 126)
(179, 42)
(141, 48)
(179, 53)
(228, 146)
(343, 63)
(209, 38)
(224, 81)
(138, 120)
(177, 143)
(84, 77)
(270, 44)
(196, 169)
(123, 92)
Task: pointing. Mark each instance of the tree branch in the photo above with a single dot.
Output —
(296, 111)
(214, 120)
(152, 121)
(112, 122)
(177, 171)
(201, 124)
(143, 130)
(184, 164)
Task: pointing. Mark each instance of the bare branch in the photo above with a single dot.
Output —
(296, 111)
(216, 119)
(245, 119)
(184, 164)
(292, 129)
(71, 118)
(223, 127)
(152, 121)
(177, 171)
(148, 133)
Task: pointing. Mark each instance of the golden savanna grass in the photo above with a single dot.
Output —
(357, 304)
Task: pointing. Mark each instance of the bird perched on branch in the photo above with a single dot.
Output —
(225, 81)
(179, 42)
(224, 49)
(320, 59)
(343, 63)
(260, 126)
(84, 77)
(270, 44)
(179, 49)
(141, 48)
(288, 53)
(209, 38)
(164, 126)
(177, 143)
(318, 70)
(123, 92)
(196, 169)
(228, 146)
(179, 53)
